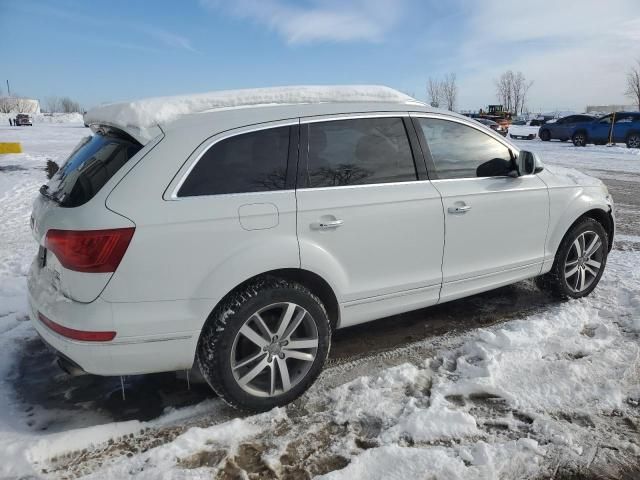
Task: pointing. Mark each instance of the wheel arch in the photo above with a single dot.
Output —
(580, 130)
(632, 132)
(603, 217)
(311, 280)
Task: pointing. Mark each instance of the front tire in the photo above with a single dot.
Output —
(265, 344)
(633, 140)
(579, 262)
(545, 135)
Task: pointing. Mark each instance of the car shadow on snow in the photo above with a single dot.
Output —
(55, 401)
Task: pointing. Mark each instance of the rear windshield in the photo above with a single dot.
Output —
(93, 162)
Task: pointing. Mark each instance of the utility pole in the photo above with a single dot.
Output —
(8, 89)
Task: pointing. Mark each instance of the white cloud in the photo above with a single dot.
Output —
(168, 38)
(320, 20)
(576, 52)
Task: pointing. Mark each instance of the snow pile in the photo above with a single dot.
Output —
(162, 110)
(48, 118)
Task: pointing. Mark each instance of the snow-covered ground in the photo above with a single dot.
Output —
(539, 392)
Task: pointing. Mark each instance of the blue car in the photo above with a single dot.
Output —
(626, 129)
(563, 128)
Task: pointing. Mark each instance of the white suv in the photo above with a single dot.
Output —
(241, 236)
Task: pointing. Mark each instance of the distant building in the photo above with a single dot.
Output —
(19, 105)
(610, 108)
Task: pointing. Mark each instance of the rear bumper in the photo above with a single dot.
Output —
(120, 358)
(124, 355)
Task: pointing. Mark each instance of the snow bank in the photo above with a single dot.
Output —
(162, 110)
(46, 118)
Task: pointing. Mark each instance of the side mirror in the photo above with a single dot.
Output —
(527, 163)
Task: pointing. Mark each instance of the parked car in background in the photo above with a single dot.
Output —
(524, 130)
(562, 128)
(501, 129)
(619, 127)
(287, 222)
(22, 119)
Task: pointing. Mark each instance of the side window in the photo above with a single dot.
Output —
(605, 120)
(249, 162)
(359, 152)
(460, 151)
(624, 118)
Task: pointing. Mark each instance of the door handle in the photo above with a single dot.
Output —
(326, 224)
(460, 209)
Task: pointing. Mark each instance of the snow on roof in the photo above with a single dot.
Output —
(146, 113)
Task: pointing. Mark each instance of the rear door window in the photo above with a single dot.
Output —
(358, 152)
(89, 167)
(249, 162)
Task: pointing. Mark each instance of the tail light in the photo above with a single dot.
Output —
(73, 334)
(91, 251)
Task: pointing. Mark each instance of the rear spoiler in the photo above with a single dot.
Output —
(140, 135)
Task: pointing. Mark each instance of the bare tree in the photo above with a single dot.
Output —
(6, 105)
(52, 104)
(520, 89)
(511, 91)
(434, 92)
(22, 105)
(450, 91)
(68, 105)
(504, 90)
(633, 83)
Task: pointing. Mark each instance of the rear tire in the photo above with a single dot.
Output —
(545, 135)
(579, 262)
(246, 358)
(633, 140)
(579, 139)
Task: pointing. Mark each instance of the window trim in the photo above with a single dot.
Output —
(191, 162)
(404, 117)
(431, 167)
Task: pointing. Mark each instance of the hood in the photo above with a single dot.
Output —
(572, 177)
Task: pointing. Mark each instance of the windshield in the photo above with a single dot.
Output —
(91, 164)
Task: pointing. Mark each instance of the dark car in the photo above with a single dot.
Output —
(563, 128)
(22, 119)
(619, 127)
(502, 130)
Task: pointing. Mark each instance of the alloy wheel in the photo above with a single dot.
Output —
(584, 261)
(274, 349)
(579, 139)
(634, 141)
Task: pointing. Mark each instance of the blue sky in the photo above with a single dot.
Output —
(576, 52)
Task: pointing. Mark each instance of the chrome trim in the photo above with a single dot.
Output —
(352, 116)
(481, 178)
(146, 340)
(364, 185)
(209, 143)
(391, 296)
(536, 263)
